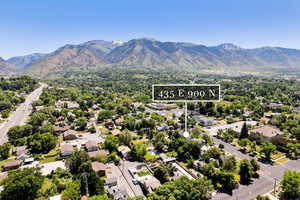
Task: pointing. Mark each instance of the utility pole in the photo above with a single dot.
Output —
(185, 120)
(275, 186)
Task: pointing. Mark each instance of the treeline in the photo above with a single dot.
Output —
(12, 92)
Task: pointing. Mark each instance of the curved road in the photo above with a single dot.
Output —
(19, 116)
(270, 175)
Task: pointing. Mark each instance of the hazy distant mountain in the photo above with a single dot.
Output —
(6, 68)
(22, 62)
(154, 54)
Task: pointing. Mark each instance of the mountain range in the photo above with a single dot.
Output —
(152, 54)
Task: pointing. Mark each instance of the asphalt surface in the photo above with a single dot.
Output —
(19, 116)
(269, 175)
(123, 168)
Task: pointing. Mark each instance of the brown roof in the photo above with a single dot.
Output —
(116, 132)
(61, 128)
(66, 148)
(91, 143)
(98, 166)
(124, 149)
(119, 121)
(152, 183)
(94, 154)
(12, 163)
(71, 133)
(68, 132)
(19, 148)
(267, 131)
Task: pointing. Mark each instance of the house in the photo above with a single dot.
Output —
(163, 157)
(38, 108)
(99, 168)
(66, 150)
(69, 104)
(296, 108)
(124, 150)
(116, 132)
(204, 148)
(118, 193)
(266, 133)
(198, 165)
(13, 164)
(56, 197)
(70, 135)
(20, 150)
(94, 154)
(205, 121)
(109, 124)
(60, 129)
(92, 145)
(159, 106)
(274, 105)
(149, 183)
(119, 121)
(162, 127)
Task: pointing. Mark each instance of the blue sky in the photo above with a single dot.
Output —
(44, 25)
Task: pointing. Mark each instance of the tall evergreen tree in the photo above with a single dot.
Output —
(244, 131)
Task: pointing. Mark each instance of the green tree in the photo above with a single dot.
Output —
(81, 122)
(246, 171)
(163, 171)
(17, 132)
(22, 184)
(260, 197)
(41, 143)
(126, 137)
(111, 143)
(159, 140)
(72, 192)
(5, 150)
(255, 165)
(38, 118)
(183, 189)
(100, 197)
(296, 132)
(293, 150)
(138, 151)
(229, 164)
(244, 131)
(244, 143)
(5, 105)
(89, 180)
(105, 114)
(267, 149)
(290, 185)
(75, 161)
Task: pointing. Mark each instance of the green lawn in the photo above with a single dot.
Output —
(50, 157)
(144, 173)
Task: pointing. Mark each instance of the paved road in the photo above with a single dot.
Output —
(19, 116)
(121, 181)
(268, 176)
(237, 126)
(124, 166)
